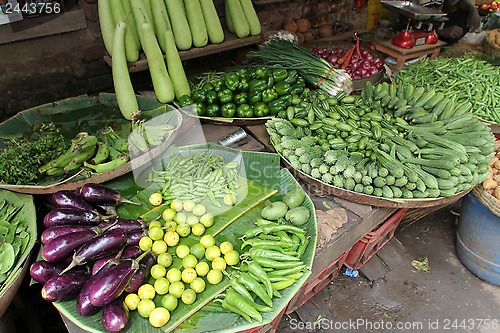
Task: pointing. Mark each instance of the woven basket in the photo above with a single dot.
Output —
(489, 201)
(491, 49)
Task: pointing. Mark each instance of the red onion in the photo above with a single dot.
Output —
(333, 59)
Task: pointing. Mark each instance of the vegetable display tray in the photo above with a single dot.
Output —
(413, 11)
(85, 114)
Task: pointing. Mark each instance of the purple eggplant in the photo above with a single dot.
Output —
(142, 274)
(99, 247)
(51, 233)
(123, 224)
(64, 287)
(64, 246)
(108, 210)
(99, 194)
(41, 271)
(127, 253)
(115, 316)
(64, 216)
(70, 199)
(113, 283)
(134, 237)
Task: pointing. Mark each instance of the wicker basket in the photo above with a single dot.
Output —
(491, 49)
(489, 201)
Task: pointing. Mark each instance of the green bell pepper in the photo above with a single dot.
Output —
(244, 74)
(211, 97)
(287, 99)
(283, 88)
(199, 95)
(276, 106)
(207, 86)
(269, 81)
(213, 110)
(269, 95)
(254, 97)
(200, 109)
(231, 80)
(261, 109)
(256, 84)
(185, 100)
(241, 98)
(292, 77)
(243, 86)
(244, 111)
(261, 72)
(297, 89)
(279, 74)
(228, 110)
(225, 96)
(219, 84)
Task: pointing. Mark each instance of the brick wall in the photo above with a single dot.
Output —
(46, 69)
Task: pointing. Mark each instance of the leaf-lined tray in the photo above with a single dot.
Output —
(264, 178)
(27, 217)
(235, 121)
(88, 114)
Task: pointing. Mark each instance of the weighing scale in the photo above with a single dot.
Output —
(421, 26)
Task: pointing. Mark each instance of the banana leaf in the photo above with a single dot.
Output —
(20, 238)
(74, 115)
(266, 182)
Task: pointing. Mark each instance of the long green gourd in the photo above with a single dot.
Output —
(196, 22)
(131, 46)
(180, 25)
(175, 68)
(212, 22)
(238, 18)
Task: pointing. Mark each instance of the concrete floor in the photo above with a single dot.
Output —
(396, 297)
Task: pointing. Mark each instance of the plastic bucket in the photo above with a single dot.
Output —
(478, 240)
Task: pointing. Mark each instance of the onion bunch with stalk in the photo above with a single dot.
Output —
(316, 70)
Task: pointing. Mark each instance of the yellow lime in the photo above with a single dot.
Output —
(169, 302)
(229, 199)
(198, 285)
(168, 214)
(180, 218)
(161, 286)
(225, 247)
(176, 205)
(182, 250)
(173, 274)
(192, 219)
(207, 241)
(232, 258)
(183, 230)
(158, 271)
(145, 307)
(199, 209)
(145, 243)
(198, 229)
(219, 263)
(176, 289)
(164, 259)
(214, 276)
(155, 199)
(198, 251)
(188, 205)
(202, 268)
(159, 317)
(188, 275)
(189, 261)
(155, 233)
(155, 223)
(159, 246)
(188, 296)
(212, 252)
(131, 301)
(207, 220)
(171, 238)
(146, 291)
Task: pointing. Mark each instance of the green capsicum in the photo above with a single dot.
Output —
(297, 89)
(269, 95)
(225, 96)
(211, 97)
(185, 100)
(231, 80)
(257, 84)
(269, 81)
(241, 98)
(292, 76)
(243, 74)
(228, 110)
(200, 109)
(260, 109)
(219, 84)
(243, 86)
(287, 99)
(207, 86)
(199, 95)
(254, 97)
(213, 110)
(244, 111)
(283, 88)
(276, 106)
(261, 72)
(279, 74)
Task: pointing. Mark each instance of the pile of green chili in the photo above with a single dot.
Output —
(460, 79)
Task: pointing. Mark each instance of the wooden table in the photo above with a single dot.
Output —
(402, 54)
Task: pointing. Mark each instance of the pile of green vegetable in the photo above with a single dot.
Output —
(244, 93)
(391, 141)
(460, 79)
(21, 158)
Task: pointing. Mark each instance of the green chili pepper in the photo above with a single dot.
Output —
(241, 98)
(231, 80)
(236, 310)
(284, 236)
(228, 110)
(279, 74)
(225, 96)
(276, 106)
(199, 95)
(257, 84)
(253, 285)
(264, 242)
(266, 262)
(260, 109)
(211, 97)
(244, 111)
(254, 96)
(283, 88)
(240, 289)
(257, 252)
(283, 284)
(234, 299)
(302, 248)
(287, 271)
(255, 268)
(213, 110)
(269, 95)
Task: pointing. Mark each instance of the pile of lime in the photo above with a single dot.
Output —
(202, 262)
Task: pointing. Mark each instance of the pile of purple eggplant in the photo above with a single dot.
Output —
(91, 255)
